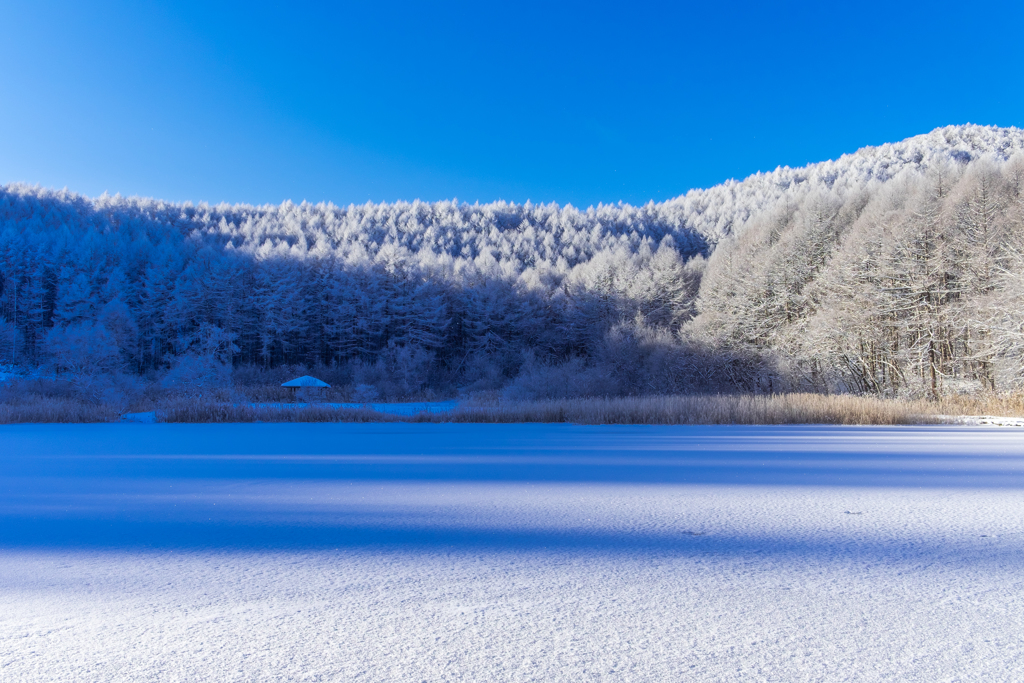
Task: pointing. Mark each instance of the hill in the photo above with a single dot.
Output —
(739, 286)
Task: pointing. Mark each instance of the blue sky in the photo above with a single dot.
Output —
(571, 102)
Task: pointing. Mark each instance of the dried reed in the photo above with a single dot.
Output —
(719, 409)
(47, 409)
(780, 409)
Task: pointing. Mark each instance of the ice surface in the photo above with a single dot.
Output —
(411, 552)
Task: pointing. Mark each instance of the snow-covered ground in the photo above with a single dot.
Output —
(421, 552)
(392, 408)
(993, 420)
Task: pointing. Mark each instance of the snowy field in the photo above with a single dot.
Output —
(421, 552)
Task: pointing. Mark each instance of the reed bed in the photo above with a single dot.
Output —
(1004, 405)
(717, 409)
(58, 410)
(192, 411)
(779, 409)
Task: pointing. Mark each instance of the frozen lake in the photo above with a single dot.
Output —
(421, 552)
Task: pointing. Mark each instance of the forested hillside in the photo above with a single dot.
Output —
(895, 270)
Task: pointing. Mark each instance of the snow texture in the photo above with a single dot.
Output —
(400, 552)
(403, 408)
(410, 408)
(147, 417)
(306, 381)
(993, 420)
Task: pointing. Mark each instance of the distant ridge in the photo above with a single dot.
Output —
(715, 211)
(696, 220)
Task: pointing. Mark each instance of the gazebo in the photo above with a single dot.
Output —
(306, 387)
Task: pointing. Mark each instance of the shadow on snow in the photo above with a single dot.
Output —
(239, 486)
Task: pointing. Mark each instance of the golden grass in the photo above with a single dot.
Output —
(47, 409)
(1003, 405)
(740, 409)
(779, 409)
(193, 411)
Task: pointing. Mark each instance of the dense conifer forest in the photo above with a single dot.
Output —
(897, 270)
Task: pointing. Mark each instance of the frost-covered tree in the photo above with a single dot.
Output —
(888, 270)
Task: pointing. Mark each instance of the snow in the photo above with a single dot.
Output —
(306, 381)
(403, 408)
(412, 408)
(410, 552)
(10, 373)
(146, 417)
(992, 420)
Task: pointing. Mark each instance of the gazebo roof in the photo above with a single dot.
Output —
(306, 381)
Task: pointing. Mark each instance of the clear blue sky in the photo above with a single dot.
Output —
(570, 102)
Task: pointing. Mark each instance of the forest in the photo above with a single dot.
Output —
(895, 271)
